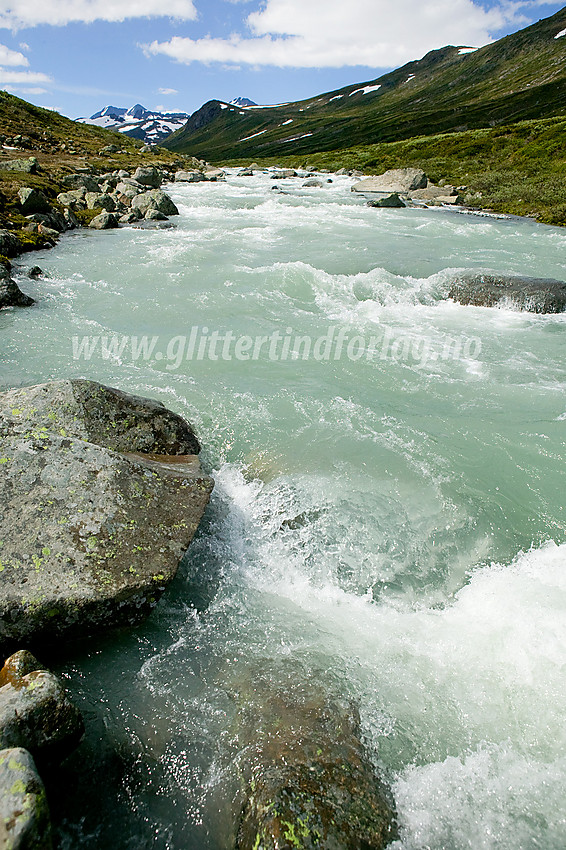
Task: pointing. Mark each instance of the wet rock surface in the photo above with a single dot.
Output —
(35, 712)
(310, 783)
(24, 816)
(534, 295)
(102, 494)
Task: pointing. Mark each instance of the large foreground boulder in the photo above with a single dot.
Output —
(401, 180)
(24, 816)
(10, 293)
(534, 295)
(101, 494)
(310, 783)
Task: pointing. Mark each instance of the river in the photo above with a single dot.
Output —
(389, 510)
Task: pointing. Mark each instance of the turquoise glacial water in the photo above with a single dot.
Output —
(392, 517)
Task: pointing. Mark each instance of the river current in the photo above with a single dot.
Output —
(389, 511)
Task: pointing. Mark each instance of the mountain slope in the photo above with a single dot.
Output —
(519, 77)
(138, 122)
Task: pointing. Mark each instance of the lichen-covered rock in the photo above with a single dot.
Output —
(100, 201)
(400, 180)
(80, 181)
(104, 221)
(155, 199)
(26, 166)
(189, 176)
(148, 176)
(90, 536)
(310, 783)
(35, 711)
(534, 295)
(24, 815)
(10, 293)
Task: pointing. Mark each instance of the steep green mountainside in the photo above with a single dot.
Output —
(518, 168)
(519, 77)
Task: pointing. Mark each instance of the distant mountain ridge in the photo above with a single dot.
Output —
(519, 77)
(138, 122)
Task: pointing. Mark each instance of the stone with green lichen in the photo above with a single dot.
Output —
(308, 781)
(101, 495)
(35, 711)
(24, 814)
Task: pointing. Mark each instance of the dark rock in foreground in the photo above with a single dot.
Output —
(10, 293)
(310, 782)
(101, 494)
(534, 295)
(24, 816)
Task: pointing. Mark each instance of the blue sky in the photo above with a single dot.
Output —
(79, 55)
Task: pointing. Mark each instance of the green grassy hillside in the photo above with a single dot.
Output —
(522, 76)
(518, 169)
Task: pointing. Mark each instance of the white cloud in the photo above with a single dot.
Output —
(25, 77)
(11, 57)
(168, 91)
(331, 33)
(32, 90)
(23, 13)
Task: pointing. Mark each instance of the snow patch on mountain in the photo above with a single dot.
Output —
(138, 122)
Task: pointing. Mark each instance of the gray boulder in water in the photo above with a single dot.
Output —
(10, 293)
(101, 494)
(534, 295)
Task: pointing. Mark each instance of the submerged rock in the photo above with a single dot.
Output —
(310, 783)
(24, 815)
(35, 711)
(101, 495)
(534, 295)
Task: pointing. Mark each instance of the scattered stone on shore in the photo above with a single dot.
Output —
(101, 494)
(533, 295)
(104, 221)
(35, 711)
(33, 201)
(10, 245)
(80, 181)
(26, 166)
(155, 199)
(309, 782)
(25, 823)
(10, 293)
(100, 201)
(392, 200)
(148, 176)
(400, 180)
(189, 177)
